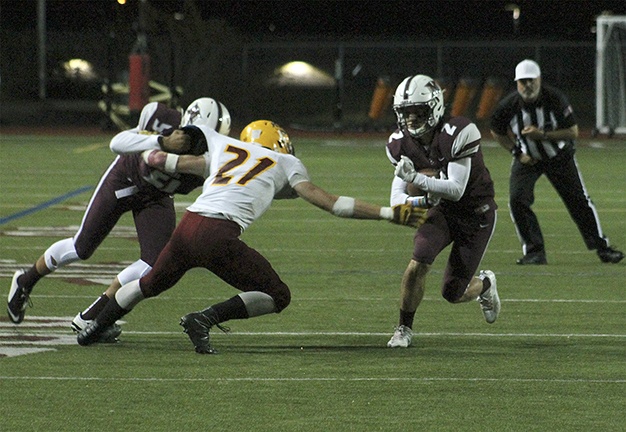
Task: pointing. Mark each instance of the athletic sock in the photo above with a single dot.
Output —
(233, 308)
(406, 318)
(95, 308)
(29, 278)
(111, 313)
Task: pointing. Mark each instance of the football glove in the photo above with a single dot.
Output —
(406, 214)
(405, 170)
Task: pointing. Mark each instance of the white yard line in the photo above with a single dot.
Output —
(323, 379)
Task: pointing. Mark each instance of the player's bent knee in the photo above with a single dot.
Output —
(453, 291)
(61, 254)
(282, 298)
(136, 270)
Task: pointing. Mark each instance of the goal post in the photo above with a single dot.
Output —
(611, 74)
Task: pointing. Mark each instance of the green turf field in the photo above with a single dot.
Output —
(554, 360)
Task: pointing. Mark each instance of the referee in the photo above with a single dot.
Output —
(536, 124)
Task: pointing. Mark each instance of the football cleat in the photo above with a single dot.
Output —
(78, 323)
(197, 326)
(108, 335)
(610, 255)
(533, 258)
(401, 337)
(19, 298)
(95, 333)
(489, 300)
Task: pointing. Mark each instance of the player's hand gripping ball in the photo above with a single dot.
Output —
(413, 190)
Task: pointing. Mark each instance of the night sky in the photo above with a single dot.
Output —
(391, 19)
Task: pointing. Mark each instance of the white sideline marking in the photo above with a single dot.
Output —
(324, 379)
(551, 335)
(33, 332)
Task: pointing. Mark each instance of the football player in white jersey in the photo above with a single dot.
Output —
(242, 178)
(128, 184)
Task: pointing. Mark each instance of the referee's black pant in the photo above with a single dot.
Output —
(563, 173)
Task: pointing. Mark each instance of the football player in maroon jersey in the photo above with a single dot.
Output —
(128, 184)
(461, 200)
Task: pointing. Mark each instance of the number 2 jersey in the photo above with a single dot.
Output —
(244, 179)
(456, 139)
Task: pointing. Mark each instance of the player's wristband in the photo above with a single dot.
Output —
(386, 213)
(344, 206)
(170, 163)
(419, 201)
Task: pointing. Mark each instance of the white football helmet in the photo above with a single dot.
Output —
(269, 135)
(418, 104)
(208, 112)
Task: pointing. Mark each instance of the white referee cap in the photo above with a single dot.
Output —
(527, 69)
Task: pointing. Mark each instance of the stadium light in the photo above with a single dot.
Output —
(301, 74)
(79, 69)
(122, 2)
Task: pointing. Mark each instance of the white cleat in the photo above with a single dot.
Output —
(490, 300)
(108, 335)
(17, 300)
(78, 323)
(401, 337)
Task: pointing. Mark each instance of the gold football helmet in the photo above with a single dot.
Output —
(269, 135)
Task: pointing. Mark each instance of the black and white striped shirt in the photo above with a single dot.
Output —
(551, 111)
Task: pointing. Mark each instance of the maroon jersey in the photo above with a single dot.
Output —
(158, 118)
(151, 180)
(453, 141)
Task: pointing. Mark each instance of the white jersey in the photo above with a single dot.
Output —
(244, 179)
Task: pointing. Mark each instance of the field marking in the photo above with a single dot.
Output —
(33, 331)
(324, 379)
(44, 205)
(313, 299)
(427, 334)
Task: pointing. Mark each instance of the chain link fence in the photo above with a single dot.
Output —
(207, 58)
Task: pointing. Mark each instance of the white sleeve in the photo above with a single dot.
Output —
(453, 187)
(398, 192)
(133, 141)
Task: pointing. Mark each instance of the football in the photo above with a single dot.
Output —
(413, 190)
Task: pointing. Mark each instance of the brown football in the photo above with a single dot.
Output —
(413, 190)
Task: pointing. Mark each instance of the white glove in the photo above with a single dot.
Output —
(405, 170)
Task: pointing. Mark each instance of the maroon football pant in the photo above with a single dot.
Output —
(153, 214)
(214, 244)
(469, 234)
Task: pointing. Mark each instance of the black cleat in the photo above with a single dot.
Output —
(19, 298)
(109, 335)
(197, 326)
(91, 334)
(610, 255)
(533, 258)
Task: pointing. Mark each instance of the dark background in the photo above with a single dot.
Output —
(228, 49)
(438, 19)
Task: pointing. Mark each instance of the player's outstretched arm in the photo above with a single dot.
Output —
(349, 207)
(171, 163)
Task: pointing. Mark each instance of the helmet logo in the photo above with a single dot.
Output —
(194, 112)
